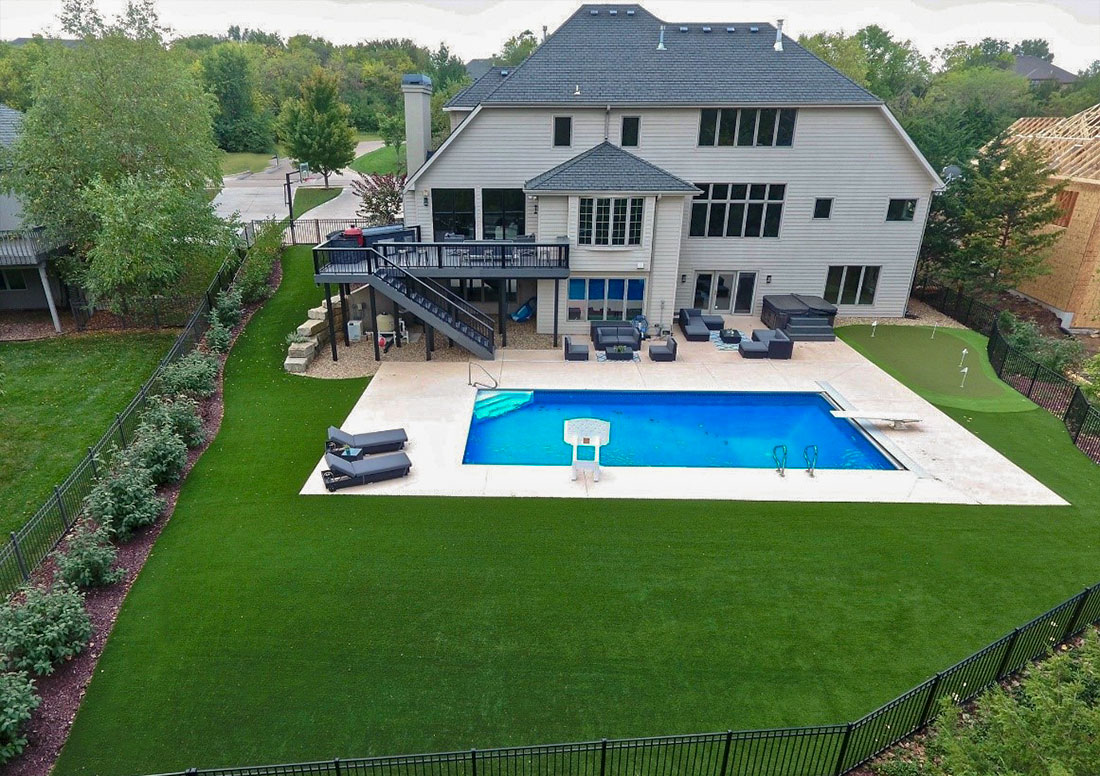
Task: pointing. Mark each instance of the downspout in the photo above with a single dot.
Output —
(652, 253)
(607, 123)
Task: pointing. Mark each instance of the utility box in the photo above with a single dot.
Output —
(355, 330)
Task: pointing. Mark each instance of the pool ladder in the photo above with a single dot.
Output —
(810, 455)
(779, 455)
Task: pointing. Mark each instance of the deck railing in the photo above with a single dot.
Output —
(412, 256)
(24, 246)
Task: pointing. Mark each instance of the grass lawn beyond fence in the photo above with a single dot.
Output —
(60, 395)
(271, 627)
(383, 160)
(307, 199)
(238, 162)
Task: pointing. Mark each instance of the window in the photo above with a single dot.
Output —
(737, 210)
(13, 280)
(746, 126)
(901, 210)
(1066, 201)
(823, 207)
(453, 213)
(563, 131)
(503, 213)
(610, 221)
(476, 290)
(631, 126)
(605, 299)
(851, 284)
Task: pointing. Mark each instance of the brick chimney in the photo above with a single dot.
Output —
(417, 89)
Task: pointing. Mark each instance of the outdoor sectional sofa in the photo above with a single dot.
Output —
(663, 351)
(697, 327)
(606, 334)
(575, 351)
(767, 343)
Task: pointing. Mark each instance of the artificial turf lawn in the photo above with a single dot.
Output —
(307, 199)
(930, 365)
(60, 395)
(271, 627)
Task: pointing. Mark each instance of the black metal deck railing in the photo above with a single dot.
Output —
(24, 246)
(487, 257)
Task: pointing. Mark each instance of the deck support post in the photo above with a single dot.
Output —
(344, 314)
(49, 296)
(396, 325)
(331, 322)
(502, 309)
(429, 341)
(374, 324)
(557, 294)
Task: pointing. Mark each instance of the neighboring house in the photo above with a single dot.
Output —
(476, 68)
(1039, 71)
(659, 165)
(1072, 145)
(25, 280)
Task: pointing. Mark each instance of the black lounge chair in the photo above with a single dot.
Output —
(663, 351)
(342, 473)
(575, 352)
(373, 442)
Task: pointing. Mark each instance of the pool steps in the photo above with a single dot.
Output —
(492, 404)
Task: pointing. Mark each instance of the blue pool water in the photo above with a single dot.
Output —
(668, 428)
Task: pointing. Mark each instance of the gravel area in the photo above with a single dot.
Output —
(923, 316)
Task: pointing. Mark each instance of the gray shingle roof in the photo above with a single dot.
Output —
(10, 122)
(607, 167)
(479, 89)
(1036, 69)
(609, 54)
(476, 68)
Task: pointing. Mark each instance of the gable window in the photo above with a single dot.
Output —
(453, 213)
(563, 131)
(823, 207)
(1066, 201)
(610, 221)
(737, 210)
(605, 299)
(503, 213)
(851, 284)
(901, 210)
(746, 126)
(631, 126)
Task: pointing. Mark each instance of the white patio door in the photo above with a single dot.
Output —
(725, 292)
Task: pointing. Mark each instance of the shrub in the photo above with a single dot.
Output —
(160, 450)
(295, 338)
(46, 627)
(218, 336)
(125, 499)
(180, 414)
(88, 560)
(1055, 353)
(227, 307)
(259, 262)
(17, 700)
(1091, 371)
(193, 375)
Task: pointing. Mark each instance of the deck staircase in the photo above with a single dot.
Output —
(809, 329)
(493, 404)
(435, 305)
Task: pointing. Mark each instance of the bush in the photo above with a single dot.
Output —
(227, 307)
(125, 499)
(1091, 371)
(180, 414)
(159, 450)
(1055, 353)
(193, 375)
(218, 336)
(17, 700)
(259, 262)
(88, 560)
(294, 338)
(48, 626)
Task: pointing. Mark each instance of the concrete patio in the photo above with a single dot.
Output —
(943, 462)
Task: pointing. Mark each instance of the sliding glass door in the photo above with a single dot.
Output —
(725, 292)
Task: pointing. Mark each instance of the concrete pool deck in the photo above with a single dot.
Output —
(433, 403)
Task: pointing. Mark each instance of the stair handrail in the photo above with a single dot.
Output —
(438, 288)
(779, 455)
(810, 456)
(470, 380)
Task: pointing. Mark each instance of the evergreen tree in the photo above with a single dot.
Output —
(315, 126)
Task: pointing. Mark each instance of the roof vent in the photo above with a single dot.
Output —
(778, 45)
(683, 29)
(629, 11)
(731, 29)
(503, 73)
(661, 41)
(577, 90)
(612, 12)
(595, 12)
(754, 29)
(706, 29)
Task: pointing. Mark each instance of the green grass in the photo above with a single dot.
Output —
(930, 365)
(307, 199)
(360, 136)
(383, 160)
(234, 163)
(272, 627)
(60, 395)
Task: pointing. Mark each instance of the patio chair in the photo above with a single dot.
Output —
(344, 474)
(371, 443)
(663, 351)
(575, 352)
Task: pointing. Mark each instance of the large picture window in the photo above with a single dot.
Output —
(737, 210)
(851, 284)
(503, 213)
(453, 213)
(610, 221)
(605, 299)
(747, 126)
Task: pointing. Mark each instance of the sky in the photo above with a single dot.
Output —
(475, 28)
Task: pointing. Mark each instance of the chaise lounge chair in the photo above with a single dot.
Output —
(373, 442)
(342, 473)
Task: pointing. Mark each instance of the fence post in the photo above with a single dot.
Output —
(121, 433)
(1034, 377)
(91, 460)
(1008, 653)
(843, 750)
(61, 507)
(19, 557)
(1076, 613)
(726, 752)
(603, 756)
(473, 762)
(926, 713)
(336, 765)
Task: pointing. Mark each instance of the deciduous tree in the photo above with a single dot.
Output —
(315, 126)
(380, 197)
(240, 122)
(516, 49)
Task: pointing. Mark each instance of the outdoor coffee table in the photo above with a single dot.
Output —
(730, 336)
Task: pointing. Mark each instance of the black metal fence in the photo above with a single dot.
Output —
(1049, 389)
(824, 750)
(28, 546)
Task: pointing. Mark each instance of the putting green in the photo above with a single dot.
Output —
(931, 365)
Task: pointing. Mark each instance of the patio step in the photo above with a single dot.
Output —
(497, 403)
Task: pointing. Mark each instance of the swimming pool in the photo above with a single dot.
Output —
(668, 428)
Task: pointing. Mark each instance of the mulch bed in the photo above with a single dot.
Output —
(62, 691)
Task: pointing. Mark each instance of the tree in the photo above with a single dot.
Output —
(1036, 47)
(315, 126)
(843, 52)
(989, 52)
(991, 226)
(119, 104)
(240, 123)
(151, 232)
(392, 130)
(516, 49)
(380, 196)
(894, 69)
(447, 68)
(17, 64)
